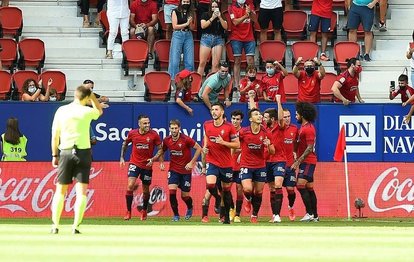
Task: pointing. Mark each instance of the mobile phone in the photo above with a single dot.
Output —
(392, 83)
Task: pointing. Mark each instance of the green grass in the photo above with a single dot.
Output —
(158, 239)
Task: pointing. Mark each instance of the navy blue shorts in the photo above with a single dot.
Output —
(255, 174)
(236, 177)
(361, 14)
(306, 171)
(314, 22)
(274, 169)
(144, 174)
(224, 174)
(290, 178)
(182, 180)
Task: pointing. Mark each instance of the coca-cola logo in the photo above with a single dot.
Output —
(18, 190)
(156, 201)
(395, 194)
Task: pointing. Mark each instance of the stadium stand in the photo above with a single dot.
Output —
(305, 49)
(161, 54)
(326, 85)
(31, 54)
(18, 79)
(272, 50)
(11, 22)
(59, 82)
(5, 85)
(135, 55)
(196, 84)
(8, 55)
(157, 86)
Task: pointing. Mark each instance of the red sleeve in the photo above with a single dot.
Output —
(157, 139)
(164, 145)
(129, 138)
(301, 75)
(133, 8)
(341, 79)
(310, 136)
(154, 9)
(233, 132)
(191, 142)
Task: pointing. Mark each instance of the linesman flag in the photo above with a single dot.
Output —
(340, 146)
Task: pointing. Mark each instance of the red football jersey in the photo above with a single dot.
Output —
(243, 31)
(219, 155)
(143, 11)
(172, 2)
(307, 136)
(309, 87)
(274, 85)
(180, 152)
(349, 85)
(277, 139)
(142, 147)
(252, 154)
(322, 8)
(291, 135)
(405, 93)
(235, 156)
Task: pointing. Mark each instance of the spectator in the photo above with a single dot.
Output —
(250, 83)
(169, 6)
(242, 15)
(183, 93)
(213, 85)
(13, 142)
(346, 87)
(362, 11)
(5, 3)
(383, 6)
(182, 39)
(410, 56)
(273, 82)
(118, 17)
(32, 91)
(84, 6)
(101, 99)
(143, 18)
(52, 95)
(203, 6)
(270, 10)
(213, 27)
(289, 4)
(321, 16)
(404, 89)
(309, 80)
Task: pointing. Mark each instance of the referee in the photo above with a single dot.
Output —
(71, 152)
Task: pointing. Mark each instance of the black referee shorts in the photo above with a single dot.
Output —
(74, 165)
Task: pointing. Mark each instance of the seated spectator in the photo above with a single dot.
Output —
(214, 84)
(91, 84)
(13, 142)
(118, 18)
(84, 6)
(250, 83)
(404, 89)
(143, 18)
(183, 93)
(410, 56)
(321, 16)
(309, 80)
(32, 91)
(52, 95)
(345, 88)
(270, 10)
(273, 82)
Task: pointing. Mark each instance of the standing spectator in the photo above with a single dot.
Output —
(84, 5)
(383, 7)
(410, 56)
(250, 83)
(182, 39)
(345, 88)
(321, 15)
(203, 6)
(309, 80)
(213, 85)
(183, 93)
(32, 91)
(144, 16)
(362, 11)
(71, 153)
(404, 89)
(118, 17)
(241, 38)
(213, 27)
(169, 6)
(273, 82)
(306, 161)
(270, 10)
(13, 142)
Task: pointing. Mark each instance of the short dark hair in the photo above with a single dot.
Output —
(175, 122)
(142, 116)
(403, 77)
(350, 61)
(306, 110)
(218, 104)
(224, 64)
(88, 81)
(272, 112)
(237, 112)
(251, 111)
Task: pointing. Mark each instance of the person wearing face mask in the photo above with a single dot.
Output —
(345, 88)
(52, 95)
(404, 89)
(32, 91)
(183, 93)
(309, 80)
(214, 84)
(250, 83)
(182, 38)
(273, 82)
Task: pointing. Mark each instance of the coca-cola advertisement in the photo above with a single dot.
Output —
(26, 190)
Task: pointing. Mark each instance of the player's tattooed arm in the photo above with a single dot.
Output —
(123, 150)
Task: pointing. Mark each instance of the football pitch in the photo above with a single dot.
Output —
(159, 239)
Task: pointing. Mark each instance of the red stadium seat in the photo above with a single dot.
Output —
(105, 28)
(272, 50)
(11, 22)
(294, 25)
(305, 3)
(32, 54)
(18, 79)
(339, 5)
(5, 85)
(196, 84)
(135, 55)
(333, 32)
(230, 58)
(8, 54)
(305, 49)
(161, 54)
(157, 86)
(326, 85)
(342, 51)
(291, 87)
(162, 28)
(59, 82)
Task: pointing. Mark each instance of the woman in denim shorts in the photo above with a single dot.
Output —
(213, 26)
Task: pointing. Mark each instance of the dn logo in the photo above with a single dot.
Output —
(360, 133)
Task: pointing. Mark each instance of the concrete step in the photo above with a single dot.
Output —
(84, 73)
(72, 21)
(386, 45)
(102, 85)
(49, 11)
(70, 42)
(61, 31)
(75, 53)
(43, 3)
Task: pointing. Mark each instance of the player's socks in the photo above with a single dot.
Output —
(80, 206)
(256, 203)
(314, 202)
(145, 200)
(227, 202)
(248, 195)
(57, 207)
(188, 201)
(204, 207)
(278, 200)
(173, 201)
(231, 201)
(221, 213)
(129, 196)
(304, 193)
(291, 197)
(239, 204)
(273, 202)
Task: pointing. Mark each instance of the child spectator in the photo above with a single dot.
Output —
(273, 82)
(250, 83)
(183, 93)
